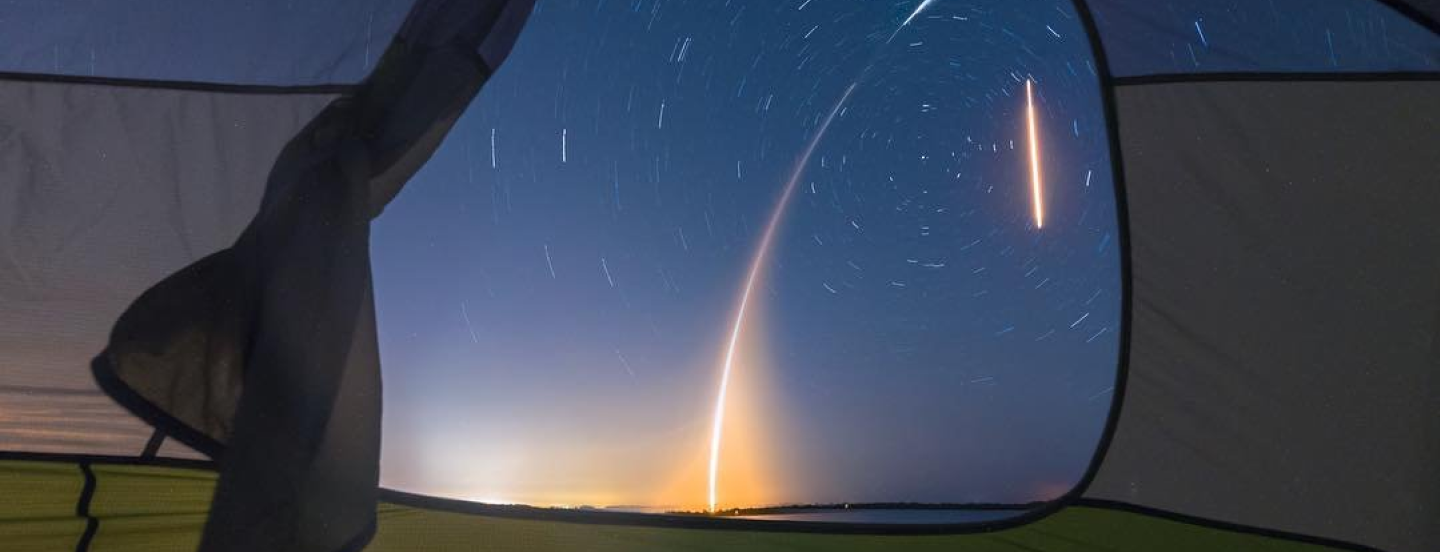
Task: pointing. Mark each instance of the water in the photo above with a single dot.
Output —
(895, 516)
(890, 516)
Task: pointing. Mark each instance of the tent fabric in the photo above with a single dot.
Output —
(1284, 335)
(1204, 36)
(1425, 12)
(214, 41)
(263, 354)
(108, 189)
(160, 508)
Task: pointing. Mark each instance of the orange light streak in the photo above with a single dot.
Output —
(1036, 187)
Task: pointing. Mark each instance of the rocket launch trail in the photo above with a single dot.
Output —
(757, 266)
(762, 253)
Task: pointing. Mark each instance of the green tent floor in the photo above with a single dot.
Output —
(162, 509)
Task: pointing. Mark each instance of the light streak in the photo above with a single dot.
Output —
(918, 10)
(1036, 187)
(757, 266)
(548, 263)
(465, 313)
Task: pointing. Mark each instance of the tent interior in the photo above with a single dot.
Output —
(1054, 275)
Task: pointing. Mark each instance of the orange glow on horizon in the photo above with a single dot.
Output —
(748, 468)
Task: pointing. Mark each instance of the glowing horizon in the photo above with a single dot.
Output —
(1036, 188)
(757, 265)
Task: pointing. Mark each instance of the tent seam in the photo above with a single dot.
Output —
(1122, 214)
(1406, 10)
(122, 394)
(1269, 76)
(152, 446)
(178, 85)
(82, 508)
(1120, 506)
(79, 458)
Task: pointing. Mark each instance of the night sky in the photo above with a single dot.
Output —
(557, 287)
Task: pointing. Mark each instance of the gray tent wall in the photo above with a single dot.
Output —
(1421, 10)
(180, 174)
(1284, 334)
(1283, 342)
(137, 139)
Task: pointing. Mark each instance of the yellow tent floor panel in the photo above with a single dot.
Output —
(145, 508)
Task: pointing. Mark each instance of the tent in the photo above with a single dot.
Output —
(187, 331)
